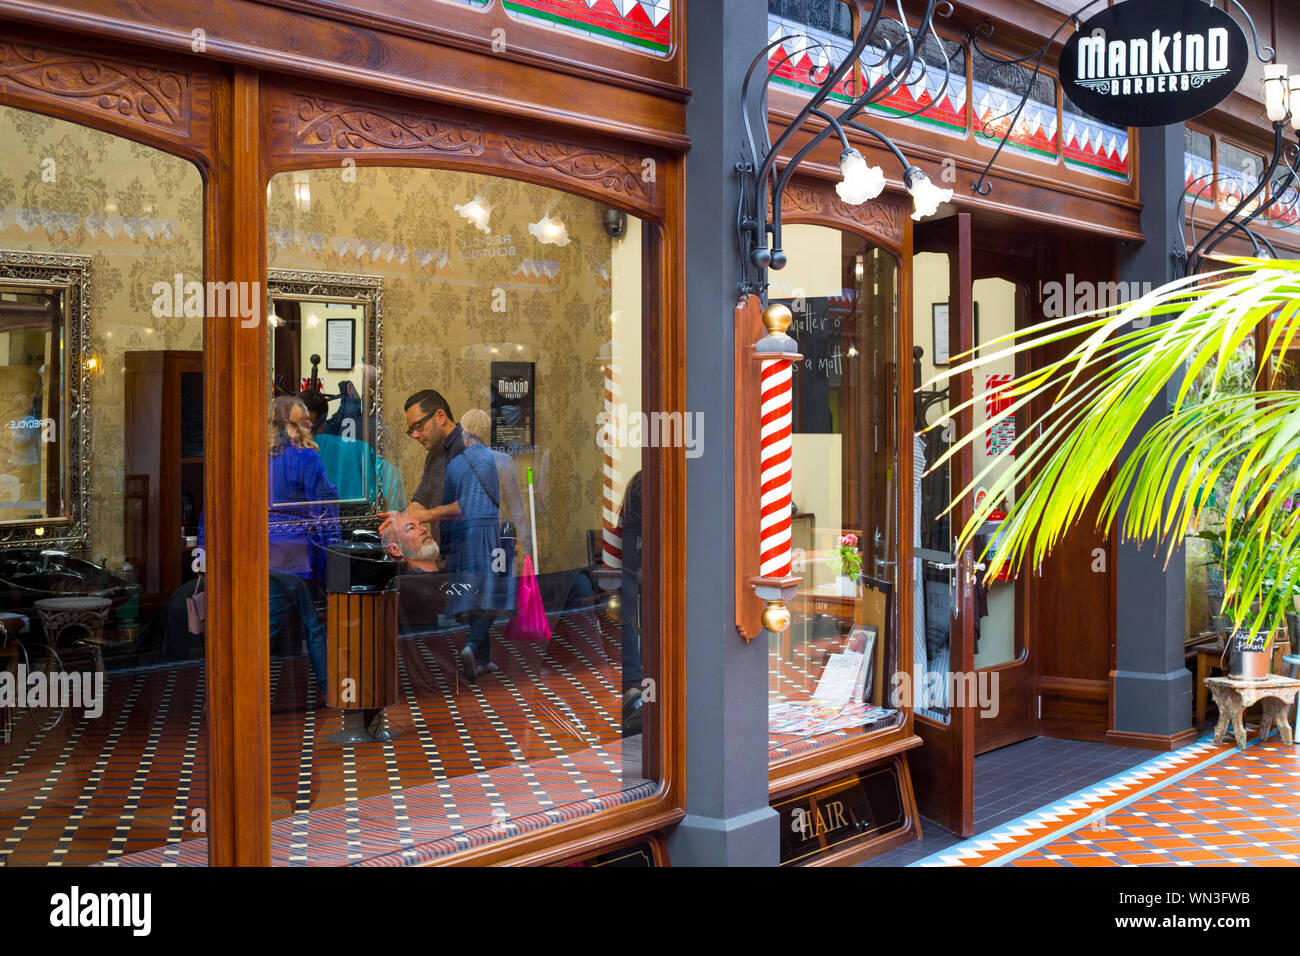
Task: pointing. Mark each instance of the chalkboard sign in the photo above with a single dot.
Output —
(1245, 641)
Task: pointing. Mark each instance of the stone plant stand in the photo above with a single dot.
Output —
(1275, 695)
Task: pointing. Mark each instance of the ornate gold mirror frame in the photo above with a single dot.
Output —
(368, 292)
(56, 418)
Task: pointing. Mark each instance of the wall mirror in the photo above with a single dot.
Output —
(325, 337)
(45, 372)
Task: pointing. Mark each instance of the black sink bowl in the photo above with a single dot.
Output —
(27, 576)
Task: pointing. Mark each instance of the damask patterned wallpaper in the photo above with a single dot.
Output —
(456, 299)
(138, 213)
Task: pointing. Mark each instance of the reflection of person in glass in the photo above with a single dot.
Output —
(352, 465)
(474, 551)
(630, 527)
(298, 535)
(477, 425)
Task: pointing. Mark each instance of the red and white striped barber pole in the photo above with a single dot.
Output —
(777, 354)
(611, 536)
(775, 471)
(609, 575)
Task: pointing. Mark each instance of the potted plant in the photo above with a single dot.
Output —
(1152, 475)
(846, 562)
(1248, 646)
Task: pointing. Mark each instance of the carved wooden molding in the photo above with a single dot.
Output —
(318, 123)
(885, 219)
(800, 199)
(308, 124)
(618, 173)
(881, 217)
(133, 93)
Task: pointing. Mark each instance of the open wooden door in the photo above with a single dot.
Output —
(943, 582)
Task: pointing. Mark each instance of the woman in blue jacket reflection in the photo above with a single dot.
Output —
(304, 520)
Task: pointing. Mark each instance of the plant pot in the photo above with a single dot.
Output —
(848, 587)
(1249, 656)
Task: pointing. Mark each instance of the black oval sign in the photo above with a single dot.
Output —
(1154, 62)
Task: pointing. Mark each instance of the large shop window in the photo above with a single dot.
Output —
(830, 673)
(456, 511)
(102, 728)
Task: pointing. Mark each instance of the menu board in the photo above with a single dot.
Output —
(512, 404)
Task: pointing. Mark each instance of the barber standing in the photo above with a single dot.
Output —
(430, 422)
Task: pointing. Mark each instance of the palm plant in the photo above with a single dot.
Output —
(1098, 426)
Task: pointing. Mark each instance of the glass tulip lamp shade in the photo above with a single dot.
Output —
(478, 212)
(859, 182)
(549, 231)
(1276, 92)
(926, 196)
(1295, 102)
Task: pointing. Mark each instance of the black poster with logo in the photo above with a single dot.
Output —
(1153, 62)
(512, 404)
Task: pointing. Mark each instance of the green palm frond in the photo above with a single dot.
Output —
(1117, 366)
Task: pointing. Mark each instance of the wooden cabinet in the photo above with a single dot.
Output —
(164, 467)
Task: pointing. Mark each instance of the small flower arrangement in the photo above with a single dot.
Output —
(846, 559)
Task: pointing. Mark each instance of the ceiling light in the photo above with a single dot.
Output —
(478, 212)
(926, 196)
(1276, 92)
(549, 231)
(859, 181)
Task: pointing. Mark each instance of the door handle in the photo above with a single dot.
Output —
(952, 582)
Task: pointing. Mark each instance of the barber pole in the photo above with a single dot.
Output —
(611, 547)
(775, 468)
(777, 354)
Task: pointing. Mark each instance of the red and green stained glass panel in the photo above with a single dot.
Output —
(815, 38)
(644, 25)
(934, 93)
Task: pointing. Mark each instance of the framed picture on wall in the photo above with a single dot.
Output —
(942, 347)
(940, 353)
(340, 334)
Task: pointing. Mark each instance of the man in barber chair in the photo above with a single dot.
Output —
(410, 540)
(423, 587)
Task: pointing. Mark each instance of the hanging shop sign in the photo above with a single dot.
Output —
(1153, 62)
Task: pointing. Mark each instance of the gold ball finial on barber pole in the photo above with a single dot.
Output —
(614, 607)
(775, 617)
(777, 319)
(776, 353)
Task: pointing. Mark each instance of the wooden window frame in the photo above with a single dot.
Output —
(231, 121)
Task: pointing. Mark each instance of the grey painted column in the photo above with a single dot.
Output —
(728, 820)
(1153, 689)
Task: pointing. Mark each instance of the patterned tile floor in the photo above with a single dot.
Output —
(795, 679)
(1014, 780)
(538, 743)
(1203, 805)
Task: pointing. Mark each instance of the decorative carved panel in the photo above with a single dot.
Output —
(881, 217)
(305, 124)
(324, 124)
(624, 175)
(136, 94)
(800, 199)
